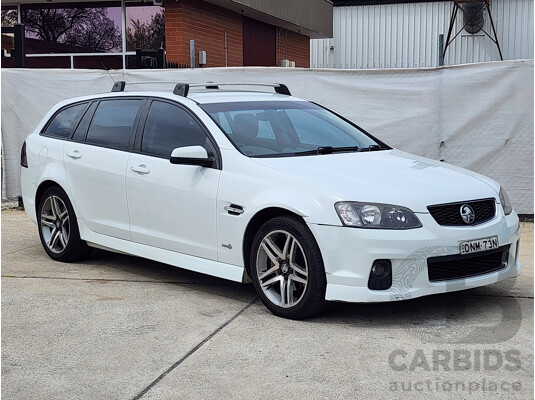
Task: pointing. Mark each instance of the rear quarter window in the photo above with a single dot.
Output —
(62, 123)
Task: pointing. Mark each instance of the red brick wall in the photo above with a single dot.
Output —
(206, 24)
(173, 31)
(297, 47)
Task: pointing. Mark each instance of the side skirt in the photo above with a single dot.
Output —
(201, 265)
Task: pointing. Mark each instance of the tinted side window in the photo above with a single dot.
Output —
(61, 124)
(79, 133)
(169, 127)
(113, 122)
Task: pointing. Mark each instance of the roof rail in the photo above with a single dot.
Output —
(182, 89)
(119, 86)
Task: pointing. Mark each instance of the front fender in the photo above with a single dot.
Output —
(259, 189)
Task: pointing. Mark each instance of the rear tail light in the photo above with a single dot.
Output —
(23, 158)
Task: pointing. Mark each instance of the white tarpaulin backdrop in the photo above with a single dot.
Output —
(477, 116)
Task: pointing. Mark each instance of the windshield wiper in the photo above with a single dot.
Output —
(326, 150)
(373, 147)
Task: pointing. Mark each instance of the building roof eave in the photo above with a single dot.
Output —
(294, 15)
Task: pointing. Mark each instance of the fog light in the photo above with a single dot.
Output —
(378, 269)
(380, 275)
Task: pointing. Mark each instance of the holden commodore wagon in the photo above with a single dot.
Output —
(262, 187)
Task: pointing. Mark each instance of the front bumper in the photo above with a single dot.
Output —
(348, 255)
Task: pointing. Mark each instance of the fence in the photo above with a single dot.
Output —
(477, 116)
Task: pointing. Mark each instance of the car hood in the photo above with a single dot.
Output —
(391, 177)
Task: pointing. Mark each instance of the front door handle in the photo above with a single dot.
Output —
(140, 169)
(74, 154)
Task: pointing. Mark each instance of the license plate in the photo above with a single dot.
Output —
(474, 246)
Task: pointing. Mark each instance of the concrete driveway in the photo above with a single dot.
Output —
(120, 327)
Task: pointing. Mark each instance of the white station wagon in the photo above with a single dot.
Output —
(260, 186)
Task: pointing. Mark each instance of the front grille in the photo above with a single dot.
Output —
(450, 214)
(463, 266)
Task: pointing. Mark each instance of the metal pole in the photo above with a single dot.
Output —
(160, 58)
(452, 22)
(441, 50)
(20, 51)
(226, 50)
(279, 45)
(286, 44)
(123, 33)
(138, 58)
(192, 53)
(494, 30)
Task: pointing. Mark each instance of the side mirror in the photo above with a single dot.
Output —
(191, 155)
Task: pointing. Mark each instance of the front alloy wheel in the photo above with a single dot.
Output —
(282, 269)
(287, 268)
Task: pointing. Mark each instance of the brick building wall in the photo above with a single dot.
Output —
(294, 47)
(207, 23)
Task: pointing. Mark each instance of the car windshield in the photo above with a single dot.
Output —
(289, 128)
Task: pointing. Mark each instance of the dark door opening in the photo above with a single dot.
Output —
(259, 44)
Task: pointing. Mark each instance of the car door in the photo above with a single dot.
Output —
(95, 162)
(172, 206)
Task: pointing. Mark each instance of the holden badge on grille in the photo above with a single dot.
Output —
(467, 214)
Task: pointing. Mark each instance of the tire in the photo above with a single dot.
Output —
(58, 228)
(287, 269)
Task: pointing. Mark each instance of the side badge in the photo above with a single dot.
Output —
(228, 246)
(234, 209)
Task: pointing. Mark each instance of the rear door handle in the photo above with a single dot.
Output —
(140, 169)
(74, 154)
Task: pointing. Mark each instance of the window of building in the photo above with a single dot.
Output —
(86, 35)
(72, 27)
(145, 27)
(9, 17)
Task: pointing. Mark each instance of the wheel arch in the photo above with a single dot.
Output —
(43, 186)
(254, 225)
(74, 248)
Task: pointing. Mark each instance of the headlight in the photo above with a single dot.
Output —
(506, 203)
(372, 215)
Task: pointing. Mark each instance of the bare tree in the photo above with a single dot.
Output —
(90, 28)
(101, 34)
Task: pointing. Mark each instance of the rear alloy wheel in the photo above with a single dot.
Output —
(58, 228)
(287, 268)
(55, 226)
